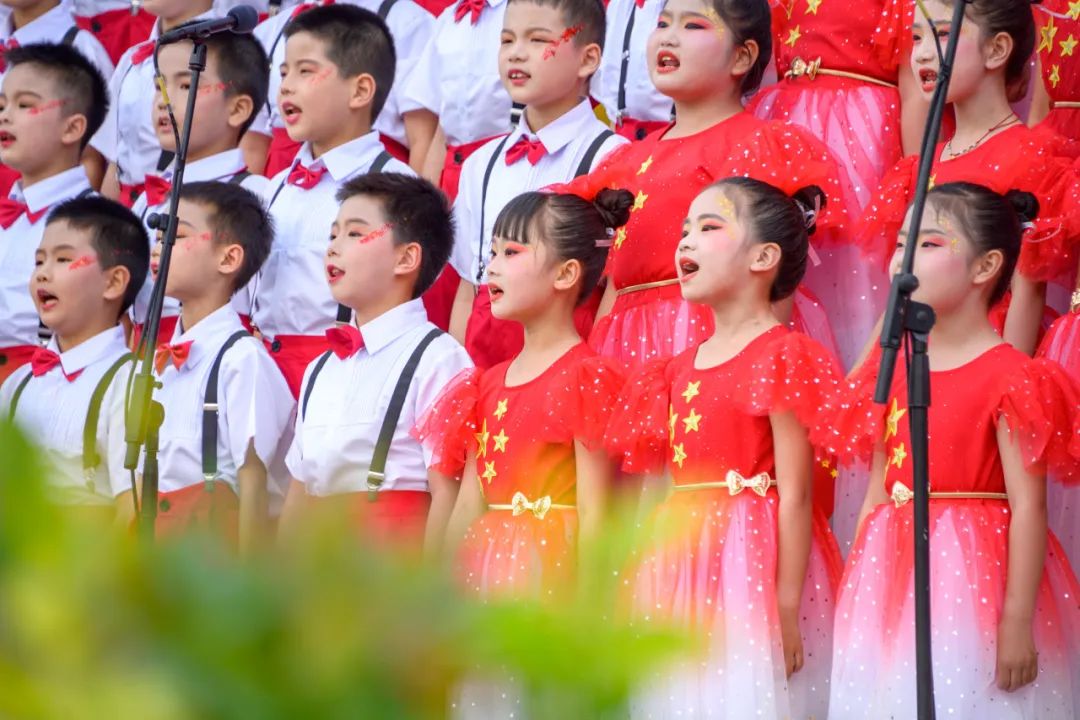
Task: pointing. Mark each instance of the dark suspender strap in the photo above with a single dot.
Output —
(18, 394)
(91, 458)
(270, 57)
(239, 178)
(377, 470)
(165, 160)
(483, 201)
(384, 8)
(311, 382)
(515, 113)
(380, 162)
(624, 67)
(210, 413)
(585, 165)
(70, 35)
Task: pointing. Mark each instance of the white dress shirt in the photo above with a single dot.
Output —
(127, 136)
(51, 28)
(457, 77)
(221, 167)
(335, 440)
(290, 296)
(567, 140)
(18, 243)
(52, 411)
(254, 404)
(643, 100)
(410, 26)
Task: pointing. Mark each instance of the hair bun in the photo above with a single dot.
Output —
(811, 201)
(1024, 203)
(614, 206)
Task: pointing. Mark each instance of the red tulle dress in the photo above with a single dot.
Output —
(874, 659)
(650, 319)
(1057, 42)
(858, 118)
(713, 561)
(523, 436)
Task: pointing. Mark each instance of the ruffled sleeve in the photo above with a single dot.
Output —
(637, 430)
(614, 171)
(892, 31)
(849, 423)
(579, 407)
(1049, 245)
(1039, 406)
(447, 429)
(790, 158)
(875, 233)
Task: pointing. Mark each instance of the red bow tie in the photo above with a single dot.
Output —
(142, 52)
(178, 354)
(11, 44)
(526, 148)
(12, 210)
(304, 177)
(639, 3)
(465, 7)
(345, 340)
(43, 360)
(157, 190)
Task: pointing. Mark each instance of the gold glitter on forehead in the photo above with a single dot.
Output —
(727, 208)
(714, 17)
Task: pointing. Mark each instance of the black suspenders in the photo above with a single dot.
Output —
(210, 413)
(377, 469)
(624, 67)
(585, 165)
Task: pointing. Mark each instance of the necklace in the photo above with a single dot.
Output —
(1005, 122)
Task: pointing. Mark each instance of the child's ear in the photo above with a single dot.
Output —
(765, 257)
(363, 92)
(410, 257)
(590, 61)
(568, 274)
(74, 129)
(117, 279)
(241, 109)
(987, 268)
(997, 50)
(745, 57)
(231, 259)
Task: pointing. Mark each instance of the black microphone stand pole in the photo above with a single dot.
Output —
(912, 321)
(144, 414)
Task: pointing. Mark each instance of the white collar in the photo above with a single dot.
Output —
(560, 132)
(343, 161)
(221, 166)
(392, 324)
(105, 344)
(208, 335)
(52, 190)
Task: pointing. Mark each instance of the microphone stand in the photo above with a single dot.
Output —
(144, 414)
(908, 321)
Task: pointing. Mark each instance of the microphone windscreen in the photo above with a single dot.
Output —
(246, 18)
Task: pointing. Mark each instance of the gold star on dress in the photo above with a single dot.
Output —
(1049, 30)
(620, 237)
(812, 6)
(673, 419)
(482, 439)
(645, 166)
(691, 421)
(680, 455)
(1055, 75)
(1074, 10)
(899, 454)
(639, 201)
(1067, 45)
(489, 472)
(500, 441)
(793, 36)
(692, 390)
(500, 409)
(892, 423)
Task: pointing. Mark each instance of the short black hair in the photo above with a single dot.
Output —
(419, 213)
(236, 216)
(587, 18)
(117, 235)
(357, 41)
(242, 66)
(77, 80)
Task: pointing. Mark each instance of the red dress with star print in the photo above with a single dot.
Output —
(650, 319)
(1058, 45)
(713, 563)
(969, 543)
(524, 439)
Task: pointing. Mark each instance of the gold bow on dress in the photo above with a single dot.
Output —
(800, 68)
(759, 483)
(520, 504)
(901, 494)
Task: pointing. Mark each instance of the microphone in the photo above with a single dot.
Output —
(241, 19)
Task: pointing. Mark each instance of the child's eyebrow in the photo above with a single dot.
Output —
(711, 216)
(362, 221)
(57, 248)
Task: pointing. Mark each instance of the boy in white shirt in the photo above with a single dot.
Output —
(53, 99)
(51, 21)
(352, 449)
(219, 388)
(231, 90)
(70, 399)
(338, 71)
(548, 51)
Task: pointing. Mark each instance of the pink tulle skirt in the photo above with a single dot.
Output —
(712, 570)
(873, 673)
(1062, 345)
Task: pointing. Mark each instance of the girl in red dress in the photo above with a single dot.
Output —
(741, 557)
(990, 146)
(1005, 618)
(705, 55)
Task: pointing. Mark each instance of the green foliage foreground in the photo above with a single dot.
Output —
(99, 625)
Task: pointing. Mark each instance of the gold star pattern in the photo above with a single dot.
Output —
(812, 6)
(500, 441)
(639, 201)
(482, 439)
(673, 419)
(954, 246)
(500, 409)
(1055, 75)
(899, 454)
(793, 36)
(892, 423)
(1074, 10)
(1049, 30)
(620, 237)
(489, 472)
(691, 421)
(834, 473)
(645, 166)
(680, 455)
(1068, 44)
(931, 182)
(693, 389)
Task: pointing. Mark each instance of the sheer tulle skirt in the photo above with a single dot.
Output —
(712, 570)
(873, 671)
(1062, 345)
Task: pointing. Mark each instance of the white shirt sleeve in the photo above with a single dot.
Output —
(104, 140)
(112, 419)
(467, 217)
(255, 401)
(422, 90)
(92, 48)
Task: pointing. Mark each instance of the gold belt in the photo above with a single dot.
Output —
(519, 505)
(1064, 104)
(646, 286)
(735, 484)
(1074, 301)
(810, 70)
(902, 495)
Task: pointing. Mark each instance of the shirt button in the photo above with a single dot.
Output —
(165, 505)
(3, 359)
(458, 157)
(275, 346)
(640, 133)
